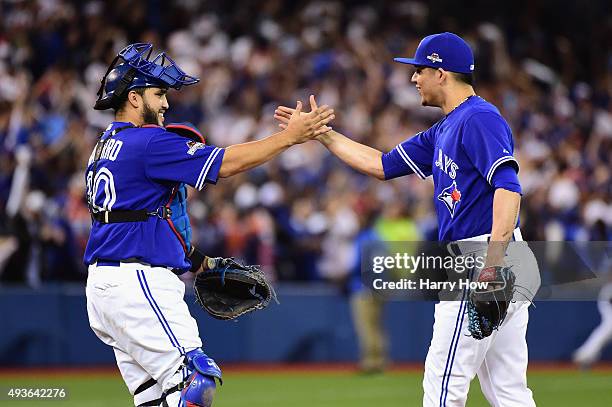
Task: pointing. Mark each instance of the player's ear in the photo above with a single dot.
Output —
(134, 99)
(441, 74)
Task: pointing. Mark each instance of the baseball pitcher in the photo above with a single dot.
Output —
(469, 154)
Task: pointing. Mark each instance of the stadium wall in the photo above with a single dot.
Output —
(49, 327)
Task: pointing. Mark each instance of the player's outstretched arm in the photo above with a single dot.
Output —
(300, 128)
(363, 158)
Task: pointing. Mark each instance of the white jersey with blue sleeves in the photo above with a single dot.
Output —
(462, 152)
(138, 169)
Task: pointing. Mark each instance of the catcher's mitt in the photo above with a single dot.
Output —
(487, 307)
(229, 289)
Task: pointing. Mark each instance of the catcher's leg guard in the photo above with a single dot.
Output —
(200, 386)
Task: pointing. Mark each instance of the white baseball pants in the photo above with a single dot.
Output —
(140, 312)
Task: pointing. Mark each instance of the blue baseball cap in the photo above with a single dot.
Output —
(445, 50)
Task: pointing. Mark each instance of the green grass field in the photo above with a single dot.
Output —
(326, 389)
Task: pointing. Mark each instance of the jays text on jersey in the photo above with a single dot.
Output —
(462, 151)
(138, 169)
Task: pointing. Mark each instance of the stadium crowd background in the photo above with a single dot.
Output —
(548, 67)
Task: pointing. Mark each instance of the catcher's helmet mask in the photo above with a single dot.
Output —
(133, 68)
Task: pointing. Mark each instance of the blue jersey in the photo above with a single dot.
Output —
(138, 169)
(462, 152)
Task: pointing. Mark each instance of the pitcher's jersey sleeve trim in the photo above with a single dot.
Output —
(414, 155)
(499, 162)
(408, 161)
(505, 177)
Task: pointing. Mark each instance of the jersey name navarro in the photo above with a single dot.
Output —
(110, 151)
(461, 152)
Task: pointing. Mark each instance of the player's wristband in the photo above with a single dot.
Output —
(196, 257)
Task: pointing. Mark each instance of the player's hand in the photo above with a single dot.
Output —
(315, 121)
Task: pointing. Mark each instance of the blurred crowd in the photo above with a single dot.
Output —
(548, 69)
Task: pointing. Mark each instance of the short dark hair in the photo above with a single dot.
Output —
(467, 78)
(121, 103)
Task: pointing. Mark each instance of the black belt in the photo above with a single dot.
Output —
(117, 263)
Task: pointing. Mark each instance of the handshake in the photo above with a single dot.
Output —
(306, 126)
(300, 126)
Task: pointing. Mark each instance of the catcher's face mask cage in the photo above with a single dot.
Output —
(133, 68)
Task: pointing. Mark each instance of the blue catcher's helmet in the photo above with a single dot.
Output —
(132, 68)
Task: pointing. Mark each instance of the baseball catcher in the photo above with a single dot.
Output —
(140, 238)
(487, 307)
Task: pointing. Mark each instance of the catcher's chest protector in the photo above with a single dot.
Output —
(179, 220)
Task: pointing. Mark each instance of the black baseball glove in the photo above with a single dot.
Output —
(487, 307)
(228, 289)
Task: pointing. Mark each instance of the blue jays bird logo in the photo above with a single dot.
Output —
(450, 196)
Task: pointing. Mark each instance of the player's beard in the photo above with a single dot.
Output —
(150, 116)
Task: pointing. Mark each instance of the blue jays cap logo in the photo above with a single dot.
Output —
(450, 196)
(434, 57)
